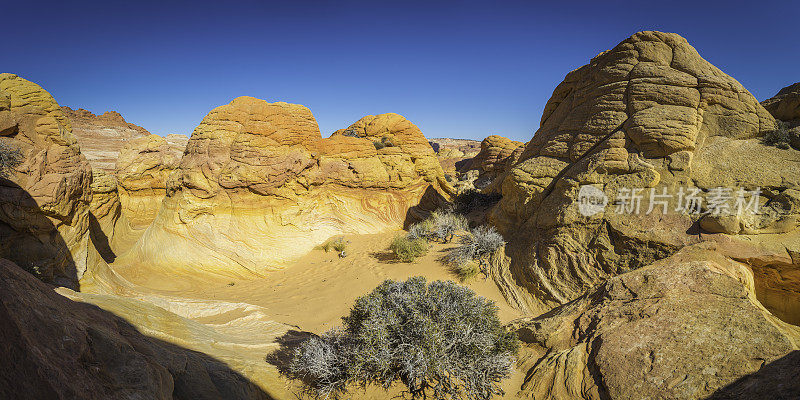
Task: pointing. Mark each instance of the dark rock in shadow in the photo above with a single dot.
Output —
(100, 240)
(778, 380)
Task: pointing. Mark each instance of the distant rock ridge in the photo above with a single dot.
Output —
(453, 152)
(258, 186)
(102, 136)
(785, 105)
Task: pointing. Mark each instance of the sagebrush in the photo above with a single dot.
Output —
(441, 226)
(407, 249)
(440, 340)
(781, 137)
(474, 247)
(10, 158)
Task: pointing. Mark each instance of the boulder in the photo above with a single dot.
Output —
(687, 327)
(258, 187)
(102, 136)
(649, 114)
(44, 205)
(65, 349)
(493, 160)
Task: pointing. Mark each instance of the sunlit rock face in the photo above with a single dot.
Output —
(258, 186)
(496, 156)
(785, 105)
(687, 327)
(142, 170)
(44, 203)
(649, 113)
(101, 137)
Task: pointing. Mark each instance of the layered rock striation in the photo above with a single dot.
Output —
(44, 204)
(101, 137)
(258, 186)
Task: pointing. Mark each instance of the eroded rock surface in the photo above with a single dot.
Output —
(649, 113)
(786, 104)
(453, 153)
(101, 137)
(64, 349)
(44, 204)
(496, 156)
(258, 186)
(688, 327)
(142, 170)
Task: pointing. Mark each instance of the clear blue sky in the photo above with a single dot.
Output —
(456, 69)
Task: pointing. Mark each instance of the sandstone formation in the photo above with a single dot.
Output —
(102, 136)
(258, 186)
(452, 153)
(142, 170)
(64, 349)
(44, 205)
(494, 158)
(786, 104)
(650, 113)
(687, 327)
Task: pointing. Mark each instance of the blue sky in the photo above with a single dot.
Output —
(457, 69)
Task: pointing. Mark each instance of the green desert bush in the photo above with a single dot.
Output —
(440, 340)
(475, 247)
(338, 244)
(407, 249)
(10, 158)
(378, 145)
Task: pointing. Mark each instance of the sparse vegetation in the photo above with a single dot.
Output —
(10, 158)
(378, 145)
(475, 247)
(408, 249)
(385, 141)
(441, 226)
(781, 137)
(440, 340)
(338, 244)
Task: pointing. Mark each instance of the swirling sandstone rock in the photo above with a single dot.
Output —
(143, 167)
(258, 186)
(786, 104)
(44, 206)
(65, 349)
(102, 136)
(648, 113)
(452, 153)
(493, 159)
(688, 327)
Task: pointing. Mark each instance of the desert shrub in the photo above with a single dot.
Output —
(467, 270)
(477, 246)
(408, 249)
(780, 137)
(10, 158)
(388, 142)
(440, 340)
(338, 244)
(441, 226)
(473, 199)
(378, 145)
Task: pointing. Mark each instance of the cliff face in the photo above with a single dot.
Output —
(101, 137)
(258, 186)
(44, 204)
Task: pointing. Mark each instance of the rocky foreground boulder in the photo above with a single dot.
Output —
(57, 348)
(686, 327)
(44, 205)
(258, 186)
(102, 136)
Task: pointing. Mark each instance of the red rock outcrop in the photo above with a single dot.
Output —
(786, 104)
(102, 136)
